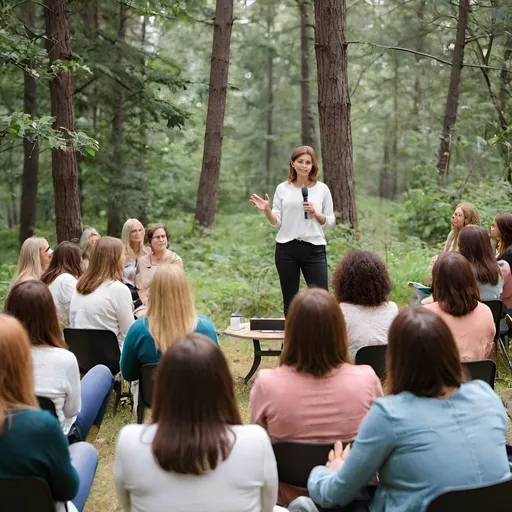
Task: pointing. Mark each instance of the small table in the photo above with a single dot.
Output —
(256, 336)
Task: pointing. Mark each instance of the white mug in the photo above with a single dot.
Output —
(235, 323)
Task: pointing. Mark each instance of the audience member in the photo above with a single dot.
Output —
(196, 455)
(457, 302)
(61, 277)
(464, 214)
(171, 315)
(158, 240)
(362, 286)
(31, 441)
(87, 242)
(475, 246)
(35, 256)
(102, 300)
(314, 363)
(431, 433)
(501, 231)
(132, 237)
(79, 405)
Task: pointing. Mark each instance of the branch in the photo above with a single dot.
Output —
(80, 89)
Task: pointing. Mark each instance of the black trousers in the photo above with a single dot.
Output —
(294, 256)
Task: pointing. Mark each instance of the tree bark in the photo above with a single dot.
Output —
(334, 106)
(307, 115)
(452, 101)
(28, 208)
(144, 194)
(64, 163)
(210, 171)
(117, 204)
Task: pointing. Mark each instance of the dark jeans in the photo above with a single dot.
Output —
(295, 256)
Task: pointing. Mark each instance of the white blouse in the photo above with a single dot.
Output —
(63, 289)
(289, 210)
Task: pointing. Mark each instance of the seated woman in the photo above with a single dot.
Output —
(475, 246)
(501, 231)
(362, 286)
(158, 240)
(102, 301)
(171, 315)
(79, 405)
(457, 302)
(132, 237)
(87, 242)
(464, 214)
(61, 277)
(431, 433)
(35, 256)
(196, 455)
(31, 441)
(285, 400)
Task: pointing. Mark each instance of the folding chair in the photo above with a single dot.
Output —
(47, 404)
(495, 498)
(25, 494)
(146, 385)
(95, 346)
(484, 369)
(496, 307)
(374, 356)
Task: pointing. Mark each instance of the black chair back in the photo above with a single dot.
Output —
(296, 459)
(374, 356)
(495, 498)
(47, 404)
(92, 347)
(147, 383)
(26, 494)
(496, 307)
(484, 369)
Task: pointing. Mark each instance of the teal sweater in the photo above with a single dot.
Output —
(33, 445)
(139, 346)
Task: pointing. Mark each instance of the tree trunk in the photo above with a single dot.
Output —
(334, 106)
(269, 143)
(307, 117)
(116, 204)
(144, 195)
(419, 85)
(210, 171)
(28, 208)
(64, 163)
(452, 101)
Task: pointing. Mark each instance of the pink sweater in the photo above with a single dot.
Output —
(473, 333)
(300, 407)
(506, 294)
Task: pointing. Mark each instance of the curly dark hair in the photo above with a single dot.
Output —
(361, 278)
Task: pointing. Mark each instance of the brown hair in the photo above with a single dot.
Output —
(454, 284)
(315, 336)
(150, 232)
(315, 169)
(475, 246)
(103, 265)
(361, 278)
(67, 259)
(504, 224)
(193, 406)
(16, 374)
(32, 304)
(422, 357)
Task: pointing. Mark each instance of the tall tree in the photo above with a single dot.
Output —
(269, 139)
(28, 207)
(452, 101)
(334, 106)
(208, 189)
(64, 163)
(307, 116)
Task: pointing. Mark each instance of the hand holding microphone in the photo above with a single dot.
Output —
(308, 207)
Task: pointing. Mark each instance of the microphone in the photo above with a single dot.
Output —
(304, 191)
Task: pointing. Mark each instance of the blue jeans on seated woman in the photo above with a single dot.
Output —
(96, 389)
(85, 460)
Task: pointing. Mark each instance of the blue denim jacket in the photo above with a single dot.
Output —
(420, 447)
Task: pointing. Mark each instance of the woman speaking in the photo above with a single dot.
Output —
(302, 205)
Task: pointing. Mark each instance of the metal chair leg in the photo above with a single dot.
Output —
(505, 352)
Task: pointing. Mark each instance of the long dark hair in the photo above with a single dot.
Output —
(193, 406)
(504, 224)
(67, 259)
(475, 246)
(422, 356)
(315, 337)
(32, 304)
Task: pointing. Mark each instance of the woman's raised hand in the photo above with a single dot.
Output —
(260, 203)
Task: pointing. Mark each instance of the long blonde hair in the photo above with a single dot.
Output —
(104, 265)
(85, 241)
(471, 216)
(171, 311)
(29, 261)
(16, 374)
(125, 238)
